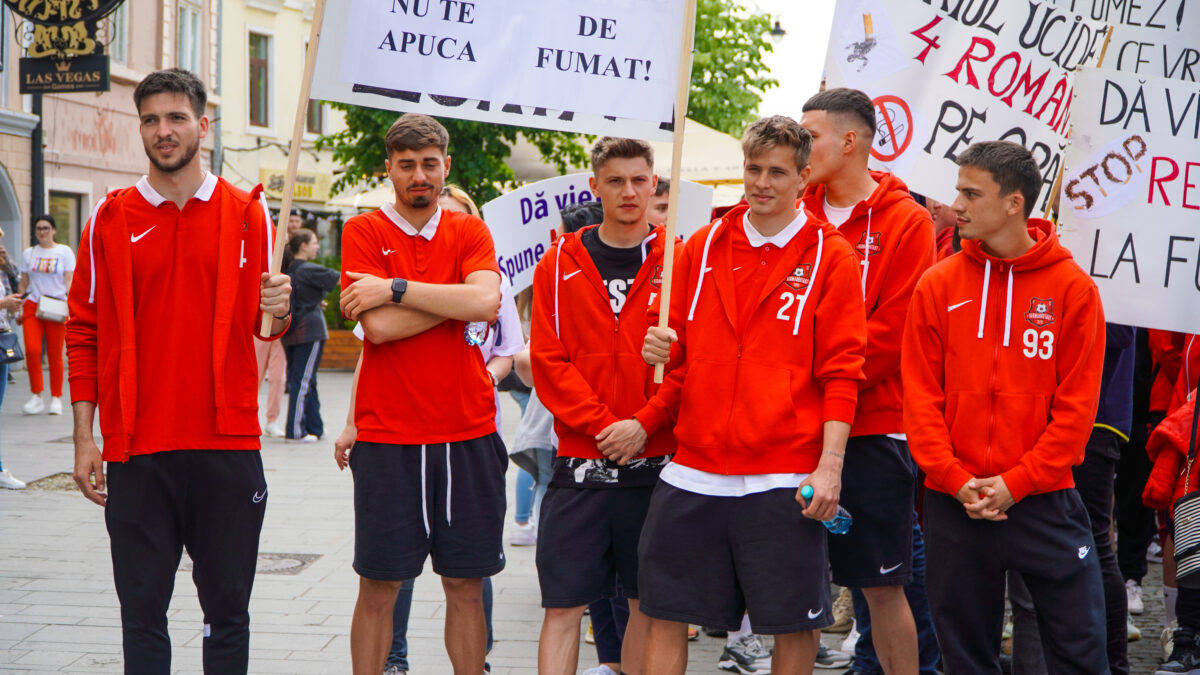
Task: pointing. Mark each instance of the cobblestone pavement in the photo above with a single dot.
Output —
(59, 612)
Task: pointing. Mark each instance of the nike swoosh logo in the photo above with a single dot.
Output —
(889, 570)
(951, 308)
(737, 268)
(259, 496)
(134, 239)
(388, 251)
(813, 615)
(1083, 551)
(568, 276)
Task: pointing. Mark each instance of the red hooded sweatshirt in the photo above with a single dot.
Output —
(587, 364)
(754, 399)
(1002, 363)
(1168, 450)
(892, 235)
(104, 345)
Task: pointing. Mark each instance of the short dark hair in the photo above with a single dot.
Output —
(847, 104)
(1011, 165)
(172, 81)
(575, 217)
(414, 131)
(770, 132)
(663, 187)
(611, 147)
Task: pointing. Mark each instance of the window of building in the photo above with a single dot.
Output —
(67, 209)
(187, 42)
(316, 117)
(118, 34)
(260, 89)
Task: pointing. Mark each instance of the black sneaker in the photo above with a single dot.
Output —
(1185, 655)
(747, 656)
(715, 632)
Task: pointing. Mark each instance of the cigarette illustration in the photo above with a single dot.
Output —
(859, 50)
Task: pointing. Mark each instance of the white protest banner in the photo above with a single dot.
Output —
(522, 220)
(1153, 37)
(574, 65)
(1130, 202)
(946, 74)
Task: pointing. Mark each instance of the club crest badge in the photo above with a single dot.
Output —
(656, 278)
(868, 242)
(1041, 312)
(799, 278)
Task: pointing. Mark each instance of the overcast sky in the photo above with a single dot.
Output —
(798, 60)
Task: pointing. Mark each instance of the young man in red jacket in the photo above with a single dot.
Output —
(1001, 389)
(768, 315)
(611, 444)
(892, 237)
(181, 249)
(428, 464)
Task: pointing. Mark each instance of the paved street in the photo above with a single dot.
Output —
(59, 612)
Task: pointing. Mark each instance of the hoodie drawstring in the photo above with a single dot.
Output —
(704, 269)
(987, 275)
(424, 502)
(1008, 307)
(866, 263)
(812, 280)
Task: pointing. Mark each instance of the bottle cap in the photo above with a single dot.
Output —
(806, 492)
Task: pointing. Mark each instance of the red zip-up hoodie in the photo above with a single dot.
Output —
(755, 401)
(1002, 362)
(101, 341)
(892, 235)
(587, 364)
(1166, 348)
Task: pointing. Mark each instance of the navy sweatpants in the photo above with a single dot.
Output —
(304, 405)
(1048, 539)
(210, 502)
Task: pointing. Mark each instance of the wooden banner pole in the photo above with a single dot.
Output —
(289, 183)
(1063, 167)
(681, 106)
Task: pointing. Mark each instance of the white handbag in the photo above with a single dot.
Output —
(52, 309)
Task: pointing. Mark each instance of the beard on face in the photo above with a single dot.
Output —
(421, 201)
(184, 159)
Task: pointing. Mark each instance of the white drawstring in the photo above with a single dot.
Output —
(448, 483)
(704, 269)
(1008, 307)
(92, 252)
(866, 263)
(557, 272)
(987, 273)
(424, 501)
(812, 280)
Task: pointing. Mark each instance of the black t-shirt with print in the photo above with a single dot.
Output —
(618, 266)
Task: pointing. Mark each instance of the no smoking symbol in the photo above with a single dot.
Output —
(894, 128)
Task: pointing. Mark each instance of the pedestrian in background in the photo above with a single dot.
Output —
(46, 271)
(305, 340)
(10, 304)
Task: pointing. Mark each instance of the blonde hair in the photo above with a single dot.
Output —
(460, 195)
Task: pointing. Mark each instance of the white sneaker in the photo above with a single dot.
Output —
(851, 640)
(7, 481)
(1132, 632)
(34, 405)
(1133, 596)
(523, 535)
(55, 405)
(309, 438)
(600, 670)
(274, 430)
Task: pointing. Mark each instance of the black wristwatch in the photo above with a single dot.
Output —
(398, 288)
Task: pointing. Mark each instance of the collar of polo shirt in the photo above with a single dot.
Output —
(427, 232)
(203, 193)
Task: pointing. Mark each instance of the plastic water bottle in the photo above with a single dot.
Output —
(839, 523)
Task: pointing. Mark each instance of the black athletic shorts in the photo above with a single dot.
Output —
(878, 489)
(588, 543)
(445, 499)
(708, 560)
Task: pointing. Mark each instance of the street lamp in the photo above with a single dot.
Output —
(777, 33)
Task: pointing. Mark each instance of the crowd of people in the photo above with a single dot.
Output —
(836, 349)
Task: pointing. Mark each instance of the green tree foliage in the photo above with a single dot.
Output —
(727, 68)
(477, 151)
(726, 89)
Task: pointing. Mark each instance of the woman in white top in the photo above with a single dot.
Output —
(46, 271)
